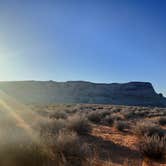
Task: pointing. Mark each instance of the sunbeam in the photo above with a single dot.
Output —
(19, 114)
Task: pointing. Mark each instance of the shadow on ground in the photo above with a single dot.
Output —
(109, 151)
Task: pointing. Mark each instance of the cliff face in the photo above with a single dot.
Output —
(37, 92)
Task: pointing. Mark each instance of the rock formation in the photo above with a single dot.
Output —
(47, 92)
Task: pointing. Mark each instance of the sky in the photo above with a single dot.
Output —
(93, 40)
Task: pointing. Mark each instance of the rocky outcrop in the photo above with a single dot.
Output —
(46, 92)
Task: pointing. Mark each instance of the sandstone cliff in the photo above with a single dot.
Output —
(46, 92)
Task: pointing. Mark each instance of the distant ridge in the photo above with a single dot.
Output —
(49, 92)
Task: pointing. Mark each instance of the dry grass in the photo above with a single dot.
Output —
(108, 120)
(27, 154)
(68, 150)
(162, 121)
(121, 125)
(153, 147)
(52, 126)
(58, 115)
(95, 117)
(79, 124)
(66, 136)
(148, 128)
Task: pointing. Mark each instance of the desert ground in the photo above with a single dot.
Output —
(81, 135)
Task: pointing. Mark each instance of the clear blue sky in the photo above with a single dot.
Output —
(92, 40)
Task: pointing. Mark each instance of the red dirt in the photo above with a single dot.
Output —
(120, 147)
(111, 134)
(112, 145)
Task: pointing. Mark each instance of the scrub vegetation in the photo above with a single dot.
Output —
(86, 135)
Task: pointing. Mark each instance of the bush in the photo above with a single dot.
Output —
(108, 120)
(121, 125)
(162, 121)
(116, 110)
(116, 117)
(153, 147)
(49, 126)
(58, 115)
(69, 151)
(104, 113)
(141, 113)
(128, 114)
(94, 117)
(149, 129)
(24, 153)
(78, 124)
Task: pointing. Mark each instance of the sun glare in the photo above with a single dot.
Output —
(19, 114)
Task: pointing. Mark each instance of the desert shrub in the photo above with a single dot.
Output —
(43, 113)
(134, 113)
(94, 109)
(79, 124)
(103, 114)
(153, 147)
(154, 114)
(69, 151)
(24, 153)
(162, 121)
(68, 105)
(94, 117)
(149, 129)
(58, 115)
(108, 120)
(121, 125)
(116, 110)
(98, 116)
(72, 110)
(51, 126)
(100, 107)
(141, 113)
(116, 117)
(128, 114)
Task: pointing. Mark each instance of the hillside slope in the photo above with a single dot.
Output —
(46, 92)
